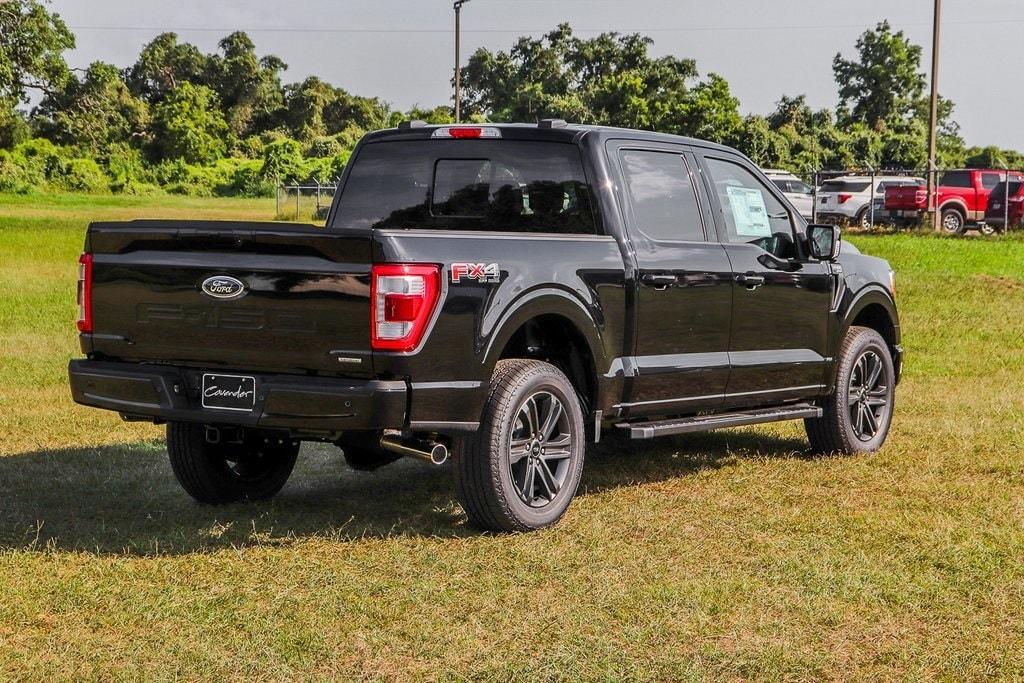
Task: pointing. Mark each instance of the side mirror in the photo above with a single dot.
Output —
(823, 242)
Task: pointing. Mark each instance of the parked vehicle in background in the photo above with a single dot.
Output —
(799, 193)
(962, 198)
(997, 215)
(847, 199)
(506, 291)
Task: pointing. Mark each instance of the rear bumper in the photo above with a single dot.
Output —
(307, 404)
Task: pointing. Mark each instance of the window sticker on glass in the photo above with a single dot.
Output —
(749, 212)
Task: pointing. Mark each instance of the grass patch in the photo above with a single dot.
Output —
(725, 555)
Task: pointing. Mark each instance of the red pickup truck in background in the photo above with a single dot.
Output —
(962, 198)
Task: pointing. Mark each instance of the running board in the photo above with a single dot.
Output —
(685, 425)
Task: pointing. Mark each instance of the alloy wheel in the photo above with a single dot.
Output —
(869, 402)
(540, 449)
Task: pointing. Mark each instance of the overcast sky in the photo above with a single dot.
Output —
(402, 50)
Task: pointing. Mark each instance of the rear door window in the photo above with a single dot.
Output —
(661, 195)
(489, 185)
(990, 180)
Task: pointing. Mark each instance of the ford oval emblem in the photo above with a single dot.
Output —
(223, 287)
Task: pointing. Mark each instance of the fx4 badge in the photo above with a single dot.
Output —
(481, 272)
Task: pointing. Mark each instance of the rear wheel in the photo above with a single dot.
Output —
(863, 219)
(252, 467)
(953, 222)
(520, 471)
(857, 416)
(987, 229)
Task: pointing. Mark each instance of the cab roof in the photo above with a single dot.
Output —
(547, 130)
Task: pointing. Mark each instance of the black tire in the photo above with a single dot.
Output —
(500, 491)
(363, 452)
(218, 473)
(987, 230)
(844, 428)
(863, 219)
(953, 221)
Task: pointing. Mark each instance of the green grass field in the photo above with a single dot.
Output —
(729, 555)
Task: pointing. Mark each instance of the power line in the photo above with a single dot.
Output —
(688, 29)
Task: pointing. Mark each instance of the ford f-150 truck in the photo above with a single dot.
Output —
(506, 292)
(962, 198)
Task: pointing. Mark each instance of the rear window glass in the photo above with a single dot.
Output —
(498, 185)
(852, 186)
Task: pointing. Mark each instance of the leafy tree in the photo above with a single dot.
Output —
(609, 79)
(249, 86)
(884, 84)
(315, 108)
(283, 161)
(95, 112)
(32, 43)
(711, 112)
(162, 65)
(189, 125)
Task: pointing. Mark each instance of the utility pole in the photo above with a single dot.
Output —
(933, 178)
(458, 60)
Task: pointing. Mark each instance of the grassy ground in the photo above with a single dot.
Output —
(728, 555)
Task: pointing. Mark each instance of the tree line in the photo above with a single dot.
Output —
(183, 121)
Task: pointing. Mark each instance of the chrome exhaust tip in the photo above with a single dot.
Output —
(428, 451)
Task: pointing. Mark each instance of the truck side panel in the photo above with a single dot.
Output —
(579, 279)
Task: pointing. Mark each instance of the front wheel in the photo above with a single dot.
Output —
(253, 466)
(520, 471)
(857, 416)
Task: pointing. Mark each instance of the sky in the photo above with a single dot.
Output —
(403, 50)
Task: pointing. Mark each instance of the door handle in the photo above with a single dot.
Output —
(658, 280)
(750, 280)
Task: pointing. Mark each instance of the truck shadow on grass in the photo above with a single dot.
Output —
(124, 500)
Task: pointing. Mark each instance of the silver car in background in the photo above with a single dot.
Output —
(799, 193)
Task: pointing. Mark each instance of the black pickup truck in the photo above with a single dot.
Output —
(508, 292)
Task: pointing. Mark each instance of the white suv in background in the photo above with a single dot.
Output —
(848, 198)
(799, 193)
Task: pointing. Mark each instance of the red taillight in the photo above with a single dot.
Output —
(85, 293)
(402, 300)
(843, 198)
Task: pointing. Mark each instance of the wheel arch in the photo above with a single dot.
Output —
(874, 308)
(552, 326)
(957, 204)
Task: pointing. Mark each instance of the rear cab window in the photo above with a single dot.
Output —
(483, 185)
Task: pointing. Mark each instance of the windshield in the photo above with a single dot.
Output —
(497, 185)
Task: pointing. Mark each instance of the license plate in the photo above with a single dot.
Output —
(229, 392)
(824, 200)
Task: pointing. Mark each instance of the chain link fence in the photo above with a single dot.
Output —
(304, 203)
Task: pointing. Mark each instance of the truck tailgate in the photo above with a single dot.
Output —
(277, 297)
(905, 198)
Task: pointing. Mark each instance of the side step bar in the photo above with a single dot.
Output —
(685, 425)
